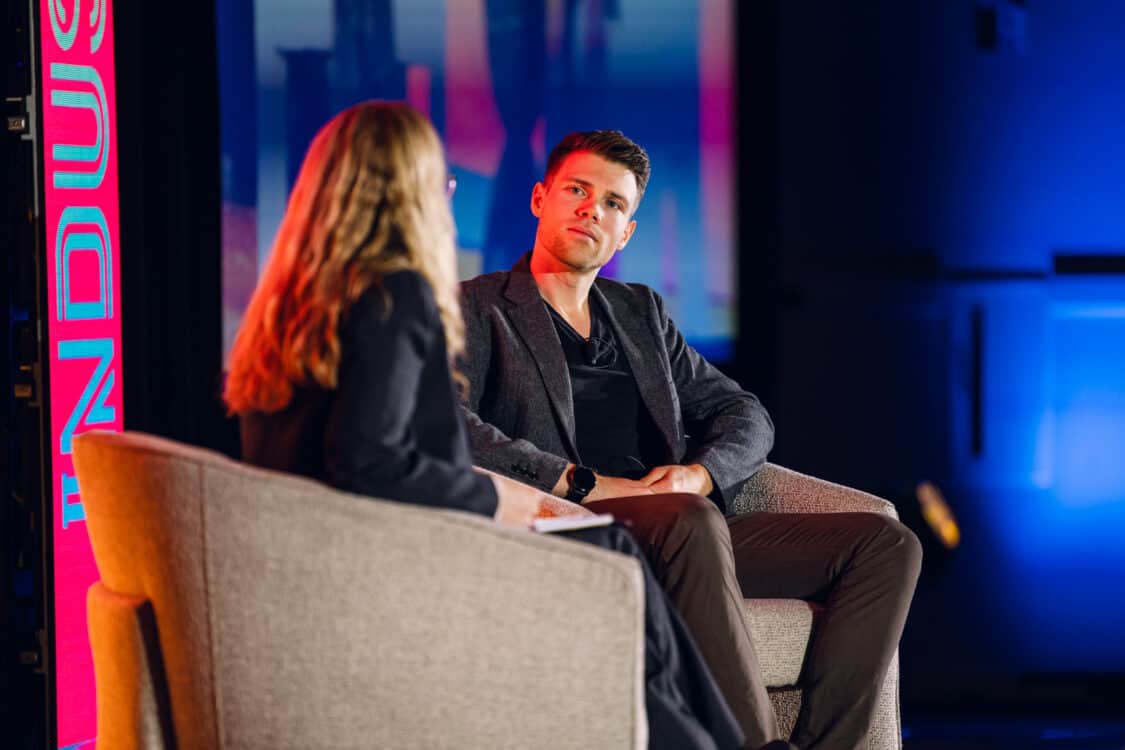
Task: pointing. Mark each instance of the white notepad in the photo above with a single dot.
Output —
(570, 523)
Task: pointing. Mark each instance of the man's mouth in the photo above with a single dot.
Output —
(582, 231)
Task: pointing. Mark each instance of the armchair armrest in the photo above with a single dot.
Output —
(775, 489)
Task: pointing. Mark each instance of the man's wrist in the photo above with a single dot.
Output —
(563, 485)
(581, 481)
(706, 483)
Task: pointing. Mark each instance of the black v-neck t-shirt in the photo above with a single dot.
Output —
(614, 432)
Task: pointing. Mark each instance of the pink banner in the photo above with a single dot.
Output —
(83, 312)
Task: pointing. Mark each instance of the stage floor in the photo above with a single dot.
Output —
(977, 733)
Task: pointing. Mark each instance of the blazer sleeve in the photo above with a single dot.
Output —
(517, 459)
(730, 433)
(494, 450)
(371, 447)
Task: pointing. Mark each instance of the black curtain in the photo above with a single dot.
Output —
(171, 249)
(759, 243)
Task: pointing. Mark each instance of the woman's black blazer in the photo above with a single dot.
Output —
(392, 427)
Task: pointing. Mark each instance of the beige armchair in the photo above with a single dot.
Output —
(240, 608)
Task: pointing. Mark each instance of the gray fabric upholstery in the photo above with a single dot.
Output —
(776, 489)
(289, 615)
(781, 627)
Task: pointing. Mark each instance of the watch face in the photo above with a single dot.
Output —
(582, 480)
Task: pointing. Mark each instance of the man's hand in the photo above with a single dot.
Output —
(691, 478)
(610, 487)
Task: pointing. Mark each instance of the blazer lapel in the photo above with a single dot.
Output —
(531, 320)
(637, 340)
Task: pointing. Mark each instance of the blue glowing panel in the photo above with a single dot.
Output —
(1064, 560)
(1090, 408)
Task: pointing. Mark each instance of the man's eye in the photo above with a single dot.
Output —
(614, 204)
(576, 190)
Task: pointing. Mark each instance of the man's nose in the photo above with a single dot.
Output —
(590, 208)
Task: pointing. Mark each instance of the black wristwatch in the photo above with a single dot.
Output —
(582, 481)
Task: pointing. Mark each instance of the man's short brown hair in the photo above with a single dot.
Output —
(611, 145)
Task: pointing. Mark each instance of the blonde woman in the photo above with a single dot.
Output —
(343, 370)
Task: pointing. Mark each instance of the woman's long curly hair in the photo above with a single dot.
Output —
(369, 200)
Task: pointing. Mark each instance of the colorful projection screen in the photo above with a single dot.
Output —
(80, 212)
(502, 81)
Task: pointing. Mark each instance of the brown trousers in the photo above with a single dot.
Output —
(861, 566)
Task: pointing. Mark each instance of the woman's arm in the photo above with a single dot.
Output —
(370, 444)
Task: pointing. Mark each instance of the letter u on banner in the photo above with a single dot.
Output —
(96, 154)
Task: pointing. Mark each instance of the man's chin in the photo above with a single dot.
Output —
(586, 262)
(577, 261)
(586, 267)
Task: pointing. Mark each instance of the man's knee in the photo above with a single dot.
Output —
(898, 543)
(910, 550)
(695, 516)
(687, 507)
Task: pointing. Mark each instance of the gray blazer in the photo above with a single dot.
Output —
(520, 410)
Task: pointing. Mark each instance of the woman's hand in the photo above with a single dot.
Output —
(555, 506)
(520, 504)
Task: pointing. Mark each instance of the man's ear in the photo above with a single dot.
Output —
(628, 235)
(538, 193)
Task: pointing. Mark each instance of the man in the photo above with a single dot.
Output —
(585, 388)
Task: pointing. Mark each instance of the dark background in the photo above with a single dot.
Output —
(931, 246)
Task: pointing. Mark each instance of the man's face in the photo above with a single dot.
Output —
(584, 211)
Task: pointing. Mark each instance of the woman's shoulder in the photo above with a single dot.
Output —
(400, 299)
(403, 291)
(408, 284)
